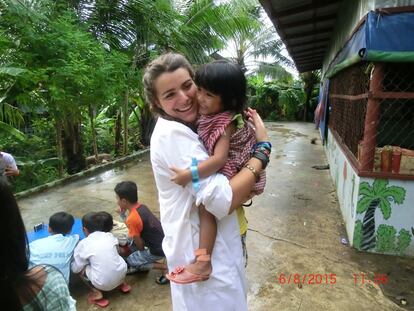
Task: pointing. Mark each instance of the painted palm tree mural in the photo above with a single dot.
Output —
(379, 195)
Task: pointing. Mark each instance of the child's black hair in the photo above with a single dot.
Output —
(225, 79)
(61, 222)
(106, 221)
(127, 190)
(98, 221)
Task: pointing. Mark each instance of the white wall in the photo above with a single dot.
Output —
(347, 185)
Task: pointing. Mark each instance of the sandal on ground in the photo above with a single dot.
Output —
(182, 276)
(102, 302)
(124, 287)
(162, 280)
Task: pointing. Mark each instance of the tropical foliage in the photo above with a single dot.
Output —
(70, 73)
(276, 100)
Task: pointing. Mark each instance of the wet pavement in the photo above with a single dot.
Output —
(297, 259)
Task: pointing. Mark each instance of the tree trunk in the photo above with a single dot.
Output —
(147, 125)
(368, 227)
(126, 99)
(73, 147)
(306, 105)
(94, 144)
(125, 122)
(59, 147)
(118, 127)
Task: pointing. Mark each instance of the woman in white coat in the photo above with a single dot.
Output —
(172, 94)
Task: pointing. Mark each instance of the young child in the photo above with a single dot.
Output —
(57, 249)
(96, 258)
(144, 229)
(229, 141)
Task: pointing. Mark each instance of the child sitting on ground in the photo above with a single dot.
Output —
(96, 258)
(57, 249)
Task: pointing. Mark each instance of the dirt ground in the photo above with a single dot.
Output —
(297, 256)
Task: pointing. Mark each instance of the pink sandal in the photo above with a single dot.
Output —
(181, 275)
(102, 302)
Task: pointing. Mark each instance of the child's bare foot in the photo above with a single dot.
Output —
(95, 297)
(95, 294)
(124, 287)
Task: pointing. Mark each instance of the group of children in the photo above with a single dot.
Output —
(97, 258)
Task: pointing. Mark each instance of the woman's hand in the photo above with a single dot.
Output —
(10, 171)
(256, 120)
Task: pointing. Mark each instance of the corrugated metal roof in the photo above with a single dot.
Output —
(305, 26)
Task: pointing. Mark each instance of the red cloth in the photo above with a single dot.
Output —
(211, 127)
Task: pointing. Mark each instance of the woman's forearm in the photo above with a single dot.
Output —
(242, 183)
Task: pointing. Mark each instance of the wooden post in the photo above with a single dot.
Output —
(372, 119)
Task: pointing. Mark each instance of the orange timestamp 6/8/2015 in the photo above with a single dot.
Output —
(307, 278)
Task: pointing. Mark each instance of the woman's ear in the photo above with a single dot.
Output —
(157, 103)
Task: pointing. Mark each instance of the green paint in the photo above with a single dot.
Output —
(386, 238)
(352, 196)
(379, 195)
(357, 234)
(389, 242)
(404, 239)
(353, 188)
(379, 190)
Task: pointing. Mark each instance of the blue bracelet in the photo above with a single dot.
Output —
(194, 174)
(265, 144)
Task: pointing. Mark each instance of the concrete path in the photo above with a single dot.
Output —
(296, 258)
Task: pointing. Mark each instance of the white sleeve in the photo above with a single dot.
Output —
(177, 147)
(9, 160)
(79, 259)
(215, 194)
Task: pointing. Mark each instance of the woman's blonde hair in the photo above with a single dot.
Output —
(168, 62)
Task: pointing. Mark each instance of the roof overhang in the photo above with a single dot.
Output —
(306, 28)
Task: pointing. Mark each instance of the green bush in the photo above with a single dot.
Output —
(404, 239)
(274, 100)
(386, 236)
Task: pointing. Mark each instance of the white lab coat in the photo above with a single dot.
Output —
(174, 144)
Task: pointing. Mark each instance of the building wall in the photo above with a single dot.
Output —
(346, 183)
(351, 12)
(390, 230)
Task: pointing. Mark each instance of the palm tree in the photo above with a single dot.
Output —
(258, 41)
(310, 79)
(379, 195)
(144, 29)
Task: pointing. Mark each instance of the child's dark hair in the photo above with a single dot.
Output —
(127, 190)
(98, 221)
(61, 222)
(106, 221)
(225, 79)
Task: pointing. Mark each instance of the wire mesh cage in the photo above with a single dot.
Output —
(372, 114)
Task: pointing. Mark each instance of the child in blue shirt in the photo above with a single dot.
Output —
(57, 249)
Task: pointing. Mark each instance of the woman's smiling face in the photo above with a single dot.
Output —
(176, 95)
